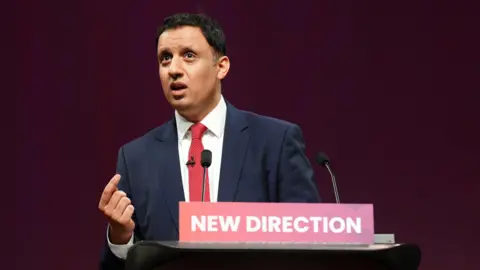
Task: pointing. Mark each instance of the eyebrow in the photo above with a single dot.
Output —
(182, 49)
(163, 51)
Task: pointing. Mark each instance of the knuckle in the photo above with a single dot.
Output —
(108, 213)
(108, 188)
(122, 220)
(115, 216)
(125, 200)
(117, 195)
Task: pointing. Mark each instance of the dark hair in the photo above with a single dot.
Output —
(211, 30)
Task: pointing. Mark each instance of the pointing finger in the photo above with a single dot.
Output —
(115, 180)
(110, 188)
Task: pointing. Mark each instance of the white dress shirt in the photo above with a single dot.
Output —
(212, 140)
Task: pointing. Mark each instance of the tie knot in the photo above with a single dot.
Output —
(197, 130)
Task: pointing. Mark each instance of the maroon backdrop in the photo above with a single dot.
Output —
(387, 90)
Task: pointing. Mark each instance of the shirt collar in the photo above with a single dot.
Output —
(214, 121)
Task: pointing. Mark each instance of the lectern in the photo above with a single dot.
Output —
(151, 255)
(250, 236)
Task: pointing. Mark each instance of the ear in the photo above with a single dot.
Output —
(223, 65)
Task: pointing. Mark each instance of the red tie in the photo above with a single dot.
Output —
(195, 172)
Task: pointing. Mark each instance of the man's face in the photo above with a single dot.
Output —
(189, 72)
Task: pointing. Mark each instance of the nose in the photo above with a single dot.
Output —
(175, 70)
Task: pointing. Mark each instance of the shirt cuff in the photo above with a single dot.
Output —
(119, 250)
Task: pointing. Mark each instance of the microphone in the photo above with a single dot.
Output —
(191, 161)
(322, 159)
(206, 161)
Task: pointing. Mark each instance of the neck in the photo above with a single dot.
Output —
(198, 114)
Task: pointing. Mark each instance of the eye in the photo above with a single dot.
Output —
(189, 55)
(165, 57)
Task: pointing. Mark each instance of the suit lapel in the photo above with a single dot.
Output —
(167, 164)
(169, 175)
(235, 145)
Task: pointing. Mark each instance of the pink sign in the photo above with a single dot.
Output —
(276, 222)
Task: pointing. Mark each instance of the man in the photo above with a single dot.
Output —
(254, 158)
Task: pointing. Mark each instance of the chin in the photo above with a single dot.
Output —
(180, 103)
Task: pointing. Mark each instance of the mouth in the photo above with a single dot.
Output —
(177, 86)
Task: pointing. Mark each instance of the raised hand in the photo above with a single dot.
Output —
(118, 208)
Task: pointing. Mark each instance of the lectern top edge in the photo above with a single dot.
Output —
(271, 246)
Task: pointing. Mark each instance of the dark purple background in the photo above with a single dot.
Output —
(387, 90)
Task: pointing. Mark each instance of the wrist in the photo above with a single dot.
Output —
(119, 236)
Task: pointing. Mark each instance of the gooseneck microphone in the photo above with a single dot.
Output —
(206, 161)
(322, 159)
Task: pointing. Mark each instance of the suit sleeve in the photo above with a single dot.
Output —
(110, 261)
(296, 177)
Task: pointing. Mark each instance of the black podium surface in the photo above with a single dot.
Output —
(151, 255)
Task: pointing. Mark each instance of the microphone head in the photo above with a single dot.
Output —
(206, 159)
(322, 158)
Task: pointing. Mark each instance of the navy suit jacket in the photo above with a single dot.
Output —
(263, 160)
